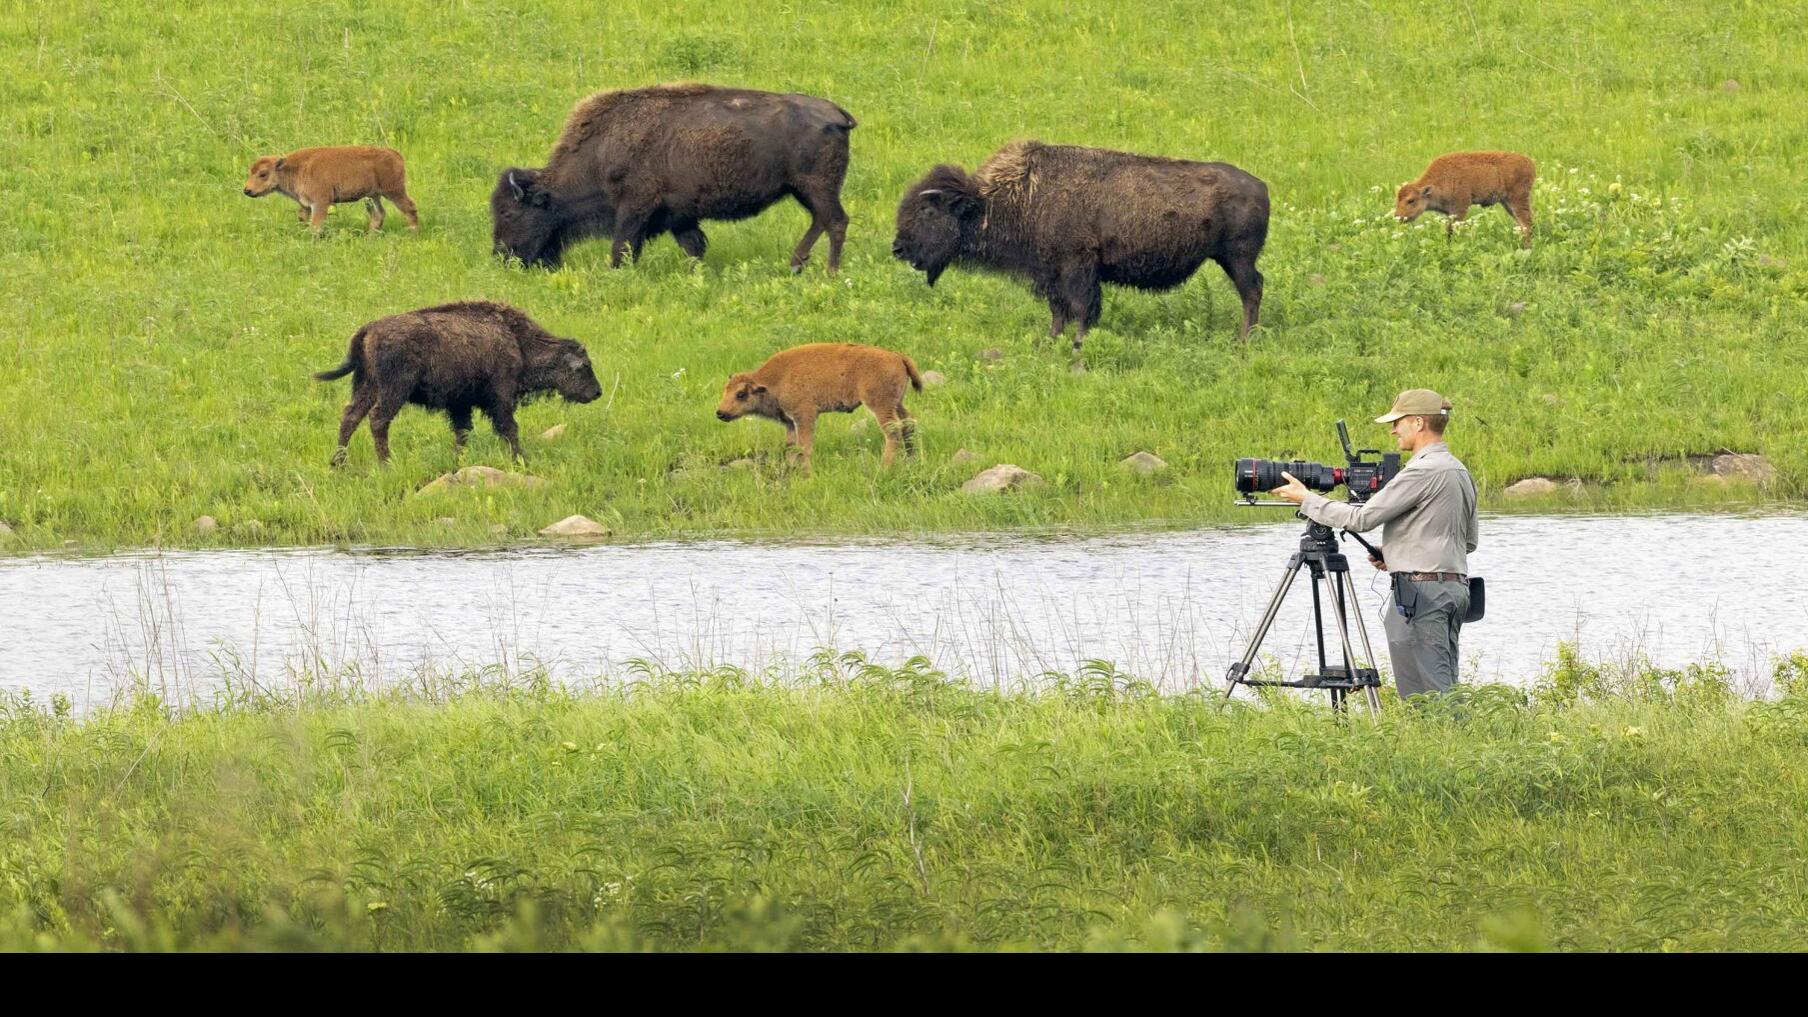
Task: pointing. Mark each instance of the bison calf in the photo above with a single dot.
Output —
(796, 385)
(1069, 219)
(319, 178)
(1456, 181)
(457, 358)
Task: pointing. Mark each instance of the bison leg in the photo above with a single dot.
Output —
(804, 426)
(318, 218)
(1457, 214)
(461, 426)
(888, 425)
(406, 204)
(907, 429)
(1077, 289)
(1243, 274)
(630, 233)
(826, 216)
(502, 418)
(301, 210)
(690, 238)
(355, 411)
(374, 206)
(380, 416)
(1520, 208)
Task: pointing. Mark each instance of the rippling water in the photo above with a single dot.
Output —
(1173, 608)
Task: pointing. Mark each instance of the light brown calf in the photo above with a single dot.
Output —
(319, 178)
(1454, 182)
(796, 385)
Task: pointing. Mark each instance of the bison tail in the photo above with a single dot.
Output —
(848, 122)
(910, 368)
(351, 359)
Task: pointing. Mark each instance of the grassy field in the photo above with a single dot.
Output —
(160, 328)
(866, 808)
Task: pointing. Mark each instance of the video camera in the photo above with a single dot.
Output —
(1364, 478)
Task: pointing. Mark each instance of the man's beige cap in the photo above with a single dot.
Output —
(1416, 402)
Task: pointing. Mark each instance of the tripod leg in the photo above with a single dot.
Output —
(1362, 630)
(1343, 630)
(1241, 668)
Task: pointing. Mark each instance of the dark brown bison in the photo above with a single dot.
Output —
(795, 386)
(636, 164)
(319, 178)
(1068, 219)
(456, 357)
(1456, 181)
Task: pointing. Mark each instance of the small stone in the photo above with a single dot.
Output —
(206, 524)
(932, 379)
(447, 521)
(499, 529)
(72, 543)
(5, 530)
(1077, 367)
(1729, 85)
(553, 433)
(963, 456)
(1766, 261)
(252, 526)
(577, 527)
(1143, 463)
(991, 355)
(740, 464)
(1551, 399)
(1316, 278)
(1515, 309)
(1000, 478)
(480, 476)
(1532, 487)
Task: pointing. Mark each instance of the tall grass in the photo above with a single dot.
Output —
(161, 327)
(864, 807)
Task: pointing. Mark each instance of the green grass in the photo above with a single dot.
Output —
(867, 808)
(160, 327)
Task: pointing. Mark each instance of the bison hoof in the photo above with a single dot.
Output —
(797, 268)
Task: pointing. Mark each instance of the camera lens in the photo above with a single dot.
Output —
(1257, 476)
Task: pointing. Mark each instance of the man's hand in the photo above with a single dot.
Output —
(1294, 492)
(1380, 566)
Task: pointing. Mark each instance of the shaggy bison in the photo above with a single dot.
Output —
(799, 383)
(1069, 219)
(319, 178)
(636, 164)
(456, 357)
(1454, 182)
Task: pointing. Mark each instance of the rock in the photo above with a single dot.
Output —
(577, 527)
(1003, 477)
(499, 529)
(963, 456)
(447, 521)
(1729, 85)
(1767, 261)
(72, 543)
(1736, 467)
(932, 379)
(1533, 486)
(991, 355)
(1552, 399)
(553, 433)
(251, 526)
(1077, 367)
(1316, 278)
(740, 464)
(5, 531)
(1143, 463)
(1515, 309)
(480, 476)
(206, 524)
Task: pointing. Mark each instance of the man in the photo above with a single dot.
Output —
(1429, 526)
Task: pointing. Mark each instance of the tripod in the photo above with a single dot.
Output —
(1320, 553)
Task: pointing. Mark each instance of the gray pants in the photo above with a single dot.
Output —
(1424, 649)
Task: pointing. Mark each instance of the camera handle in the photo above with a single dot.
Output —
(1374, 552)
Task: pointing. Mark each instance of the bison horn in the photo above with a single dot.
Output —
(520, 195)
(927, 193)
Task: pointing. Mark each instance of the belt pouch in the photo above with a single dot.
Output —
(1406, 595)
(1478, 600)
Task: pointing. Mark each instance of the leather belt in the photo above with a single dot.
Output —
(1437, 577)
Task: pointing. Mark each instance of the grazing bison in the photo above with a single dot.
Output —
(456, 357)
(1454, 182)
(799, 383)
(319, 178)
(636, 164)
(1069, 219)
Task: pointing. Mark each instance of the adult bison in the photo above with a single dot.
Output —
(635, 164)
(471, 355)
(1069, 219)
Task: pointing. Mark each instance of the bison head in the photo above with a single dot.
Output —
(936, 219)
(743, 395)
(526, 220)
(1410, 202)
(562, 366)
(262, 178)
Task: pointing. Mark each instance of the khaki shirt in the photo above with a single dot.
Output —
(1427, 514)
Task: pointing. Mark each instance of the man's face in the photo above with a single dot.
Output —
(1407, 432)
